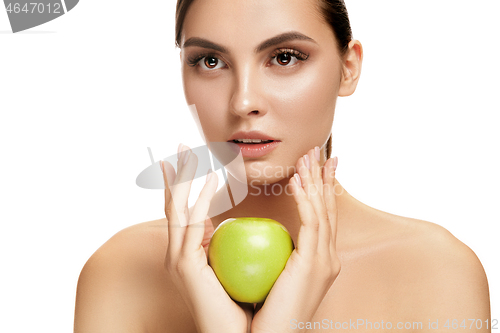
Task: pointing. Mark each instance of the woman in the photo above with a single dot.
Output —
(277, 67)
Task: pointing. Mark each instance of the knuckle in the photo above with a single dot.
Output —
(325, 217)
(313, 224)
(175, 267)
(182, 269)
(179, 268)
(174, 261)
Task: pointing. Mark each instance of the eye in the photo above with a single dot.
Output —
(284, 59)
(287, 57)
(210, 63)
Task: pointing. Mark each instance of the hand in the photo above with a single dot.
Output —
(186, 260)
(313, 265)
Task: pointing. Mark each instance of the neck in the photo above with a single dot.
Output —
(273, 201)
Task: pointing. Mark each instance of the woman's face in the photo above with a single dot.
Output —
(241, 78)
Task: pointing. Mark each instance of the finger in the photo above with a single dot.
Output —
(309, 224)
(314, 155)
(319, 204)
(331, 199)
(169, 175)
(314, 188)
(174, 238)
(207, 236)
(196, 228)
(169, 171)
(187, 165)
(314, 183)
(176, 209)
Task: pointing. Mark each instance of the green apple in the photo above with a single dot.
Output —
(248, 254)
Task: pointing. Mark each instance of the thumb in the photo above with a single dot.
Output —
(209, 231)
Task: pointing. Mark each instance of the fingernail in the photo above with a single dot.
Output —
(179, 150)
(297, 179)
(335, 162)
(316, 152)
(209, 175)
(186, 155)
(306, 160)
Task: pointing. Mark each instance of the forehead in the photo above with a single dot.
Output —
(251, 21)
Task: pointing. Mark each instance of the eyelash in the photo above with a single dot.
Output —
(297, 54)
(194, 60)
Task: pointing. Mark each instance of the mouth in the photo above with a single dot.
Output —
(254, 144)
(256, 148)
(252, 141)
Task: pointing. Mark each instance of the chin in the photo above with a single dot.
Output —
(277, 185)
(270, 173)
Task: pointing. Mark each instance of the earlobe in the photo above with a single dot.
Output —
(351, 68)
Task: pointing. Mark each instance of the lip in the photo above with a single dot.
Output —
(254, 150)
(251, 135)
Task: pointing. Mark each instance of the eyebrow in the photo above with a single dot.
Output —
(281, 38)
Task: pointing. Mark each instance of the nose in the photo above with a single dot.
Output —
(247, 98)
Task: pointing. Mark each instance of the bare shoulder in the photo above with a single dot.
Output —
(440, 249)
(124, 288)
(444, 276)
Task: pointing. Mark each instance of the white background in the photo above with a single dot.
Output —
(83, 96)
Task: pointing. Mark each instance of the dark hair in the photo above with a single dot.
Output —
(334, 12)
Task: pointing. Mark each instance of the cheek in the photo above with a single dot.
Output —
(307, 101)
(210, 102)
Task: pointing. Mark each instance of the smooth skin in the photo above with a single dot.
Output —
(308, 274)
(351, 261)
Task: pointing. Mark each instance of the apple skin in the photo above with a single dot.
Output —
(247, 255)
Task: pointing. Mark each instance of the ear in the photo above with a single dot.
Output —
(351, 68)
